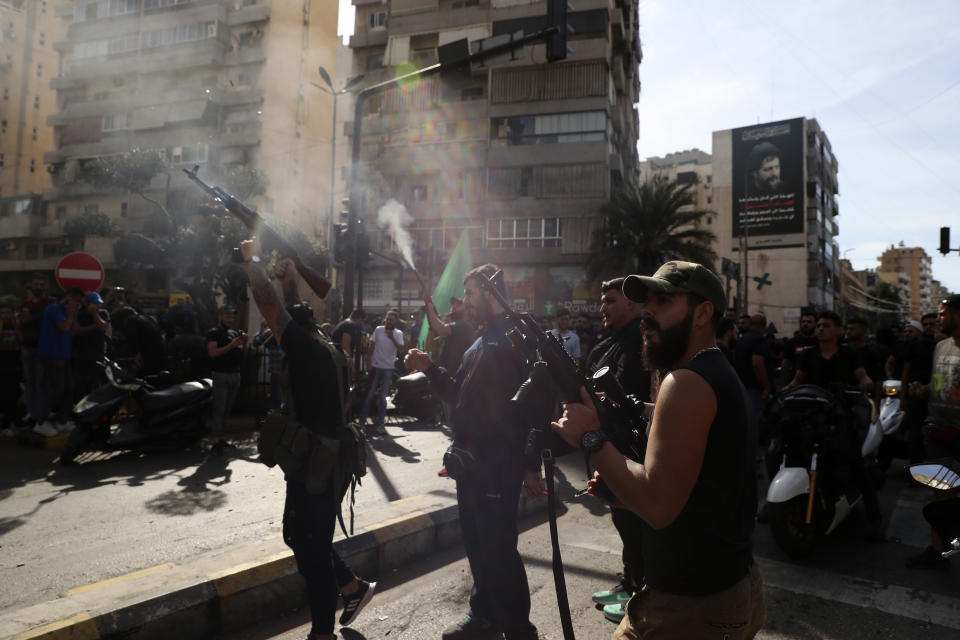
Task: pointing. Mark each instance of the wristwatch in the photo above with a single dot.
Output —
(592, 441)
(254, 259)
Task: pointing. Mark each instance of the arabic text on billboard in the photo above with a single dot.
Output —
(768, 192)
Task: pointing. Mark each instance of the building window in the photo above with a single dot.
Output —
(189, 153)
(39, 70)
(33, 166)
(244, 79)
(6, 93)
(1, 159)
(526, 181)
(709, 179)
(42, 38)
(378, 20)
(709, 199)
(36, 102)
(582, 126)
(419, 192)
(30, 252)
(471, 93)
(523, 233)
(375, 62)
(60, 213)
(123, 209)
(51, 250)
(91, 209)
(115, 122)
(3, 126)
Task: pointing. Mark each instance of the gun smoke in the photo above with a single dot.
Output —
(395, 218)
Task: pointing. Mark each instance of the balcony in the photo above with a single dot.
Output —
(179, 56)
(65, 82)
(234, 97)
(369, 38)
(255, 13)
(548, 154)
(249, 136)
(246, 55)
(21, 226)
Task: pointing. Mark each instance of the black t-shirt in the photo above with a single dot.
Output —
(796, 346)
(708, 547)
(313, 381)
(462, 335)
(349, 327)
(623, 353)
(750, 344)
(919, 354)
(838, 370)
(92, 344)
(230, 361)
(871, 360)
(142, 335)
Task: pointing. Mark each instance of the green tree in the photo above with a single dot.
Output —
(642, 226)
(90, 224)
(132, 170)
(243, 182)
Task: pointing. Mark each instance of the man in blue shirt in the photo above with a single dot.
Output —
(54, 350)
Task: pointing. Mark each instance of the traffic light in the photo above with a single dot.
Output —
(341, 242)
(944, 240)
(557, 17)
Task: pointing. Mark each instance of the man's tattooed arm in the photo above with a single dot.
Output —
(267, 300)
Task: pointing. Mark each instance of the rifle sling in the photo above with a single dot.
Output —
(560, 583)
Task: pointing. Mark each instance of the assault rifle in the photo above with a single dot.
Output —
(269, 239)
(621, 415)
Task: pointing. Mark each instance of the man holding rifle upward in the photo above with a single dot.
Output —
(695, 490)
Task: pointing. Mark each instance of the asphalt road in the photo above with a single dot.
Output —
(62, 528)
(113, 514)
(845, 591)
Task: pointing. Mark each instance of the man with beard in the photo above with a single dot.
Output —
(623, 353)
(942, 429)
(493, 431)
(763, 170)
(695, 490)
(30, 320)
(803, 340)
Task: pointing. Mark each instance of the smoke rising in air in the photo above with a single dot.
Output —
(395, 218)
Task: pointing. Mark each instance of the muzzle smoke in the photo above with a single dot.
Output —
(395, 218)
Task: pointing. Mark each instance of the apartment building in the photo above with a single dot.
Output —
(28, 30)
(690, 167)
(209, 82)
(519, 153)
(910, 266)
(775, 195)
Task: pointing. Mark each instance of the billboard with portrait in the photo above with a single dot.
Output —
(768, 193)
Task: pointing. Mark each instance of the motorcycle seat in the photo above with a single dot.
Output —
(177, 394)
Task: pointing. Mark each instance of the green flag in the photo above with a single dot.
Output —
(451, 282)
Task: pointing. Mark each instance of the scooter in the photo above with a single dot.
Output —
(129, 412)
(811, 494)
(894, 444)
(942, 475)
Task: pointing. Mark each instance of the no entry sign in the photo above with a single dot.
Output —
(79, 270)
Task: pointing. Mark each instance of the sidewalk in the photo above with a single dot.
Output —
(233, 588)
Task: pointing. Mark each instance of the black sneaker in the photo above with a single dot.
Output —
(471, 628)
(927, 559)
(355, 602)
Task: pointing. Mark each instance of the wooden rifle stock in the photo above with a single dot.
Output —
(268, 237)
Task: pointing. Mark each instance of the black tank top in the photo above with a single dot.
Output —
(708, 547)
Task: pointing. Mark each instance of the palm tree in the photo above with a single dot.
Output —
(643, 226)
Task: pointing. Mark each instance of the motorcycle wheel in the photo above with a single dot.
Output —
(789, 527)
(76, 441)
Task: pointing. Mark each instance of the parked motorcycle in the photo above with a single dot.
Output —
(892, 424)
(415, 398)
(129, 412)
(942, 475)
(813, 490)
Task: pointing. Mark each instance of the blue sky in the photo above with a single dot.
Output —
(881, 77)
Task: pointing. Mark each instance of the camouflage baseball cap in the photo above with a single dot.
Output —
(679, 277)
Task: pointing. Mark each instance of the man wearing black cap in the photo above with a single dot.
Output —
(695, 490)
(309, 516)
(225, 347)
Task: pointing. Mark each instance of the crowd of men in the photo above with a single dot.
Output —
(685, 510)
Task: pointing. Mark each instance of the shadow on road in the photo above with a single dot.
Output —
(388, 446)
(197, 494)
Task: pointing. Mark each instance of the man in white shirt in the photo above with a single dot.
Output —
(569, 338)
(385, 342)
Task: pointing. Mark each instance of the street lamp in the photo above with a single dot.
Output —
(349, 85)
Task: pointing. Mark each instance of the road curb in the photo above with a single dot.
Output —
(232, 590)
